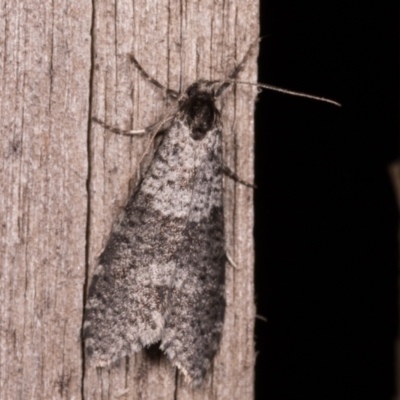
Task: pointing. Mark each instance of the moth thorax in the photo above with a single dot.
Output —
(201, 114)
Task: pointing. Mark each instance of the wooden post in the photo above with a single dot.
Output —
(44, 111)
(64, 180)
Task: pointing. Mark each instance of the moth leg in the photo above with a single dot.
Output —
(169, 92)
(231, 261)
(118, 131)
(235, 177)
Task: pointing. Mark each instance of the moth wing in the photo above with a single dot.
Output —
(195, 318)
(130, 290)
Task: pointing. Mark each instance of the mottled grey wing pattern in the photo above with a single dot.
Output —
(196, 309)
(161, 275)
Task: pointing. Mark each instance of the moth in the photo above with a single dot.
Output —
(161, 276)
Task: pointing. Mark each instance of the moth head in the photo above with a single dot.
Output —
(198, 107)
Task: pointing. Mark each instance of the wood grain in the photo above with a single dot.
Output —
(44, 110)
(65, 179)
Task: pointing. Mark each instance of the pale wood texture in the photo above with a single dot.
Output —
(44, 109)
(63, 185)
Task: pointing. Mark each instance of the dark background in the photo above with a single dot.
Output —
(326, 218)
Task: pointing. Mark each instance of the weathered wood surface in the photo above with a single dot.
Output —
(64, 180)
(44, 108)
